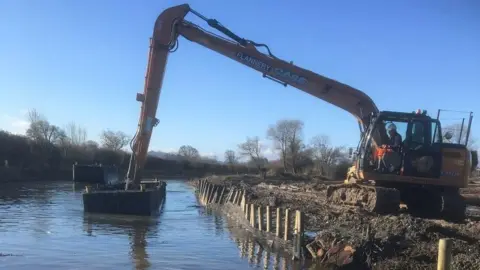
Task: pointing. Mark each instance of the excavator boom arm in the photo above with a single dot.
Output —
(171, 24)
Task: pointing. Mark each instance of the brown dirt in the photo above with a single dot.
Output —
(398, 241)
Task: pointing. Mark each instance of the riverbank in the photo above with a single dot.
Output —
(15, 174)
(393, 241)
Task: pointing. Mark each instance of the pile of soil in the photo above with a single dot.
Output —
(399, 241)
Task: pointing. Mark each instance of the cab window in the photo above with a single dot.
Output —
(418, 132)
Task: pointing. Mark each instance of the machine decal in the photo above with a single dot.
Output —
(285, 74)
(448, 173)
(254, 62)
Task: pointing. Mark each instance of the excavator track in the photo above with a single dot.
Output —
(453, 206)
(375, 199)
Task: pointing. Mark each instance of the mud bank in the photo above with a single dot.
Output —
(398, 241)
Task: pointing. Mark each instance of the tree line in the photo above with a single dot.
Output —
(47, 151)
(296, 154)
(47, 148)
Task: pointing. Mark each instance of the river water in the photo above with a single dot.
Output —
(43, 226)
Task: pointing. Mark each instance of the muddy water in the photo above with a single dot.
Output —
(42, 226)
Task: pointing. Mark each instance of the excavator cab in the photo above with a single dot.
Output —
(421, 156)
(423, 171)
(418, 154)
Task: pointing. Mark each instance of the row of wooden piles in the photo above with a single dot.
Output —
(283, 223)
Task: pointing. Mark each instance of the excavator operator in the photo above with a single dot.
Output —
(395, 138)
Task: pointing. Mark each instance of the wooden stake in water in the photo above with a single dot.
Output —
(269, 218)
(278, 220)
(287, 223)
(260, 218)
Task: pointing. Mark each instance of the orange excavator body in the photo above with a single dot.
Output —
(171, 24)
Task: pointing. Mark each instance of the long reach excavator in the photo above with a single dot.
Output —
(420, 170)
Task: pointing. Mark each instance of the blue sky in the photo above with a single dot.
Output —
(84, 61)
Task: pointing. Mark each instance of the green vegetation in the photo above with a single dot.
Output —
(47, 151)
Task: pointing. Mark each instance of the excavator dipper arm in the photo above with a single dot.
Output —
(171, 24)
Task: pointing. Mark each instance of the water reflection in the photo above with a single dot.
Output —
(258, 253)
(138, 229)
(45, 224)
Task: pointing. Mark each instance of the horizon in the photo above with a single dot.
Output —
(86, 62)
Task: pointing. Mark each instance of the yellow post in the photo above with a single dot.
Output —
(269, 219)
(444, 254)
(285, 235)
(278, 222)
(260, 218)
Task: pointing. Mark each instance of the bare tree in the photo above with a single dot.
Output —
(114, 140)
(34, 116)
(295, 141)
(43, 131)
(76, 134)
(231, 158)
(279, 134)
(459, 135)
(188, 152)
(287, 138)
(253, 149)
(324, 153)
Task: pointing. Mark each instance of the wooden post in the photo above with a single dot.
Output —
(298, 234)
(215, 195)
(224, 200)
(243, 201)
(247, 212)
(231, 194)
(260, 218)
(221, 195)
(202, 194)
(239, 197)
(444, 254)
(205, 195)
(212, 190)
(269, 219)
(285, 236)
(235, 197)
(252, 215)
(278, 222)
